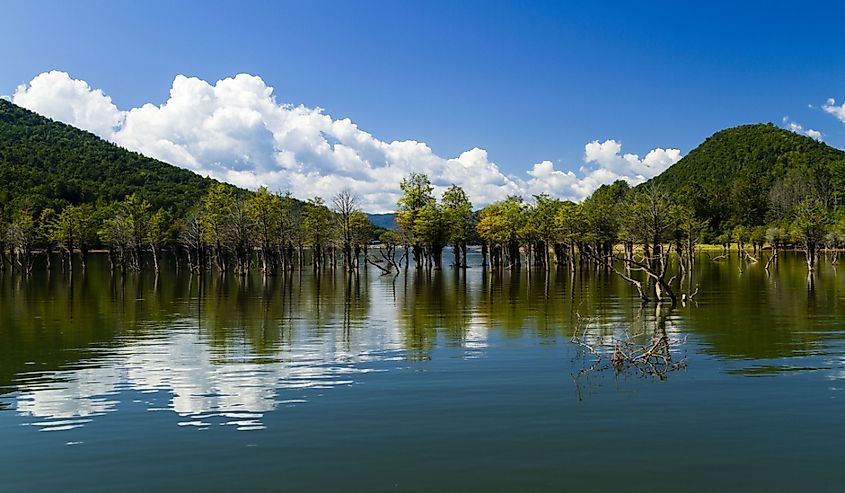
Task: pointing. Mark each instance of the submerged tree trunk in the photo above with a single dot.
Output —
(810, 251)
(83, 257)
(437, 256)
(156, 257)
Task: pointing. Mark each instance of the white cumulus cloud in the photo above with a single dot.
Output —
(56, 95)
(836, 110)
(608, 155)
(234, 130)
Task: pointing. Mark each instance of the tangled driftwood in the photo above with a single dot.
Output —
(629, 354)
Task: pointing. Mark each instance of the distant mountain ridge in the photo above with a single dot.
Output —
(386, 221)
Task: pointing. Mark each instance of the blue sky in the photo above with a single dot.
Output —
(527, 82)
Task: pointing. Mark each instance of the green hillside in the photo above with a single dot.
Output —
(44, 163)
(729, 178)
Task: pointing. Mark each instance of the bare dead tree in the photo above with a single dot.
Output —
(345, 203)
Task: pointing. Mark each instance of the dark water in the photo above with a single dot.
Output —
(441, 382)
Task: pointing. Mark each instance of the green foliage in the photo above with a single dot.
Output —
(126, 227)
(162, 229)
(362, 230)
(502, 222)
(389, 238)
(690, 229)
(317, 222)
(216, 208)
(776, 235)
(430, 227)
(457, 214)
(811, 222)
(571, 221)
(264, 210)
(416, 195)
(745, 175)
(47, 164)
(23, 232)
(602, 212)
(541, 218)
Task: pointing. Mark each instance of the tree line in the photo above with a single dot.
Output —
(645, 234)
(229, 230)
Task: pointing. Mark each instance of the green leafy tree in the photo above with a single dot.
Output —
(502, 226)
(161, 232)
(318, 224)
(217, 207)
(810, 227)
(542, 222)
(416, 195)
(459, 222)
(601, 210)
(431, 230)
(264, 209)
(291, 230)
(652, 211)
(87, 230)
(571, 223)
(362, 233)
(62, 230)
(136, 210)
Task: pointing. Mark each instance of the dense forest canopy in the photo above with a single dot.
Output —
(47, 164)
(752, 175)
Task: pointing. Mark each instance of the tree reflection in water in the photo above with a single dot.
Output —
(648, 351)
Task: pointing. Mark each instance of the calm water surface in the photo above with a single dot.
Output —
(447, 381)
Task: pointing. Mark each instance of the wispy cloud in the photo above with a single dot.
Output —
(799, 129)
(836, 110)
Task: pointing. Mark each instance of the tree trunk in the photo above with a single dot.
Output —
(811, 256)
(156, 255)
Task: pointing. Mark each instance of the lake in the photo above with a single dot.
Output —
(442, 381)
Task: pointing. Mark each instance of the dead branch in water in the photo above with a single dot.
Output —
(749, 257)
(386, 258)
(691, 296)
(384, 270)
(772, 258)
(655, 358)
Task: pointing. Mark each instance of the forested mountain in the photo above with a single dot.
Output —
(743, 177)
(749, 175)
(44, 163)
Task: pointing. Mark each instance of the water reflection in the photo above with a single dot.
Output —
(216, 350)
(202, 382)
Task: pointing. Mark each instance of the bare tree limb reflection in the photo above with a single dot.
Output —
(647, 353)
